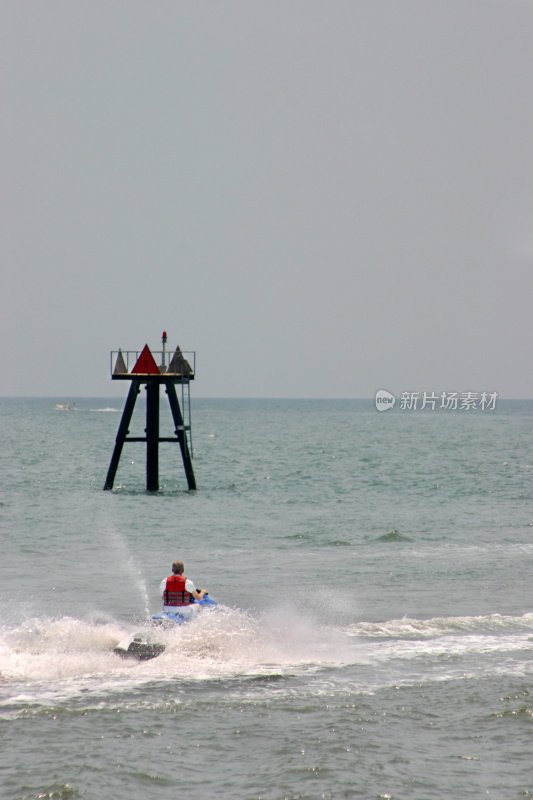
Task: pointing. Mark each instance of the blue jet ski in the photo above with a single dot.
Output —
(141, 647)
(179, 619)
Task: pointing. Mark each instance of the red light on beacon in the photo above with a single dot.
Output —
(164, 336)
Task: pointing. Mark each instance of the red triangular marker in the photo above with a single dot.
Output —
(145, 363)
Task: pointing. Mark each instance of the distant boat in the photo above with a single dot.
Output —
(64, 407)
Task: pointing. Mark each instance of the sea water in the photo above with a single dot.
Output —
(374, 633)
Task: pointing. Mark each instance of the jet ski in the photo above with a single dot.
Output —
(180, 619)
(141, 647)
(136, 647)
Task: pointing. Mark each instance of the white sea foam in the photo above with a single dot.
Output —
(226, 642)
(42, 650)
(222, 642)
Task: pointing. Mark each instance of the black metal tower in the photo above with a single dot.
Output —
(146, 371)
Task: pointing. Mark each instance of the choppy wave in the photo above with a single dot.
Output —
(393, 536)
(443, 626)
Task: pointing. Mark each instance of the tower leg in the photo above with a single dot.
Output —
(180, 433)
(122, 433)
(152, 436)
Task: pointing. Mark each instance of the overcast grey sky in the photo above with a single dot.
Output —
(321, 198)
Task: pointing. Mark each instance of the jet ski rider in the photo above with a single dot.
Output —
(178, 592)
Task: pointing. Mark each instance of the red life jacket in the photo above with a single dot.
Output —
(175, 594)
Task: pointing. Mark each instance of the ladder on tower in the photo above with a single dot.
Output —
(186, 408)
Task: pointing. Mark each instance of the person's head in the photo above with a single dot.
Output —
(178, 567)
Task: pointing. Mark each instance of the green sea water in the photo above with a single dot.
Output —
(374, 634)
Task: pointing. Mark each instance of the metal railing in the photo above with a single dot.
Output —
(184, 361)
